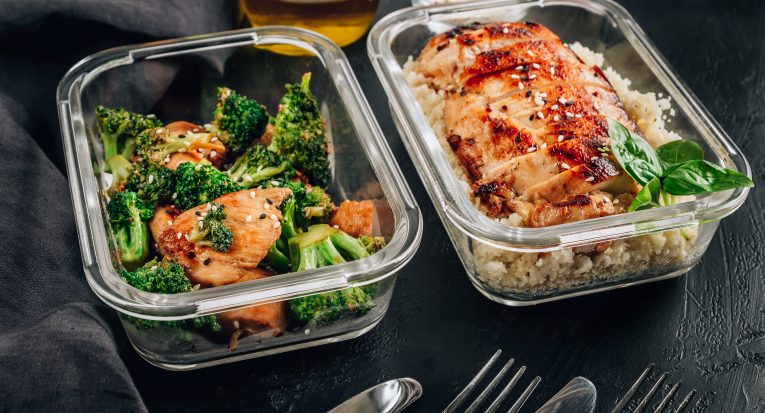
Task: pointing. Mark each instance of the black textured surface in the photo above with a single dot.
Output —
(706, 328)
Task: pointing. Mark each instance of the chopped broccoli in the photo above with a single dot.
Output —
(300, 133)
(238, 120)
(212, 231)
(157, 144)
(276, 259)
(127, 213)
(120, 168)
(257, 165)
(151, 181)
(119, 128)
(326, 308)
(197, 184)
(165, 277)
(161, 277)
(372, 244)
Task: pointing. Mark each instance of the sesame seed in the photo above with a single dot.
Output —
(560, 138)
(266, 206)
(562, 101)
(247, 178)
(532, 77)
(594, 158)
(213, 153)
(198, 167)
(520, 85)
(175, 195)
(544, 146)
(169, 222)
(277, 224)
(552, 70)
(616, 201)
(151, 178)
(556, 118)
(275, 183)
(182, 150)
(565, 166)
(505, 30)
(214, 139)
(187, 237)
(336, 226)
(554, 107)
(214, 208)
(532, 149)
(578, 115)
(252, 194)
(530, 53)
(167, 159)
(179, 235)
(207, 126)
(153, 267)
(597, 107)
(186, 143)
(541, 115)
(514, 76)
(519, 67)
(207, 206)
(273, 216)
(248, 218)
(569, 115)
(200, 219)
(159, 131)
(535, 65)
(590, 179)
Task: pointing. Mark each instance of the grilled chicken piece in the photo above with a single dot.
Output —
(527, 118)
(265, 317)
(252, 236)
(355, 218)
(208, 149)
(578, 208)
(163, 218)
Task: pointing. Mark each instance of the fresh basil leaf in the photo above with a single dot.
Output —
(699, 176)
(679, 151)
(647, 197)
(635, 155)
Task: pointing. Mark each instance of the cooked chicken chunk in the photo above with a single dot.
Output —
(527, 119)
(355, 218)
(253, 217)
(265, 317)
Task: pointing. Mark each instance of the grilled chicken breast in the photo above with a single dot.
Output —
(528, 121)
(266, 317)
(355, 218)
(253, 217)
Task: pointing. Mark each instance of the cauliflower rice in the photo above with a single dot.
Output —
(536, 272)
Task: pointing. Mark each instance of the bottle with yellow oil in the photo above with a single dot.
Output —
(343, 21)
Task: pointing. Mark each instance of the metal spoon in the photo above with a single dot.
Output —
(389, 397)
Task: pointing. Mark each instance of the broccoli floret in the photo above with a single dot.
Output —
(300, 133)
(165, 277)
(151, 181)
(259, 164)
(372, 244)
(212, 231)
(157, 144)
(197, 184)
(127, 213)
(161, 277)
(120, 168)
(326, 308)
(238, 120)
(119, 128)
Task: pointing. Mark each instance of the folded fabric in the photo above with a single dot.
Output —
(59, 345)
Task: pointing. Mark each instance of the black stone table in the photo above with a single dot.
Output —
(706, 328)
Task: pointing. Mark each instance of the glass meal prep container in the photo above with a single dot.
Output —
(177, 80)
(519, 265)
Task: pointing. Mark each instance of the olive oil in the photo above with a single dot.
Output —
(343, 21)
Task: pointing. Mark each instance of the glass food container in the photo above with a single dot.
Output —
(177, 79)
(521, 266)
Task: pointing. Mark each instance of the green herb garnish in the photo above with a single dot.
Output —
(675, 168)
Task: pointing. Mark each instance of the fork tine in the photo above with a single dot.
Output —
(525, 395)
(667, 398)
(686, 400)
(452, 407)
(485, 393)
(644, 403)
(503, 394)
(631, 392)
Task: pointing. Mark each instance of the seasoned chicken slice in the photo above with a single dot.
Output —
(265, 317)
(445, 55)
(578, 208)
(163, 218)
(253, 217)
(355, 218)
(208, 148)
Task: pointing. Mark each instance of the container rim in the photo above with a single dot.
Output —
(99, 270)
(455, 204)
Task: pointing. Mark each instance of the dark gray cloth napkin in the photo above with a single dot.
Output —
(59, 345)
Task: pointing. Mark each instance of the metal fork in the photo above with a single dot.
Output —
(644, 402)
(463, 395)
